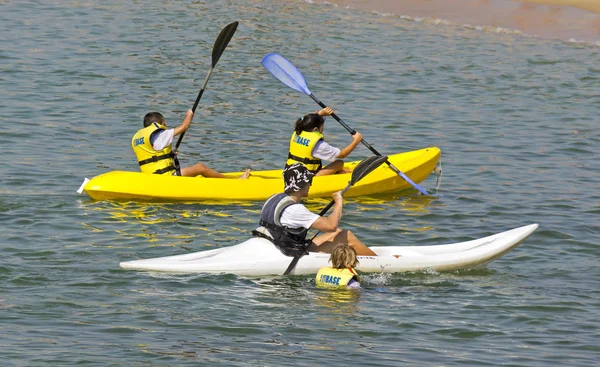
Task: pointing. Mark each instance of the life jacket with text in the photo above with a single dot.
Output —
(332, 277)
(301, 148)
(152, 161)
(290, 241)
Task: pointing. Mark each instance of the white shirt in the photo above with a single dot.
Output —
(326, 152)
(297, 216)
(162, 138)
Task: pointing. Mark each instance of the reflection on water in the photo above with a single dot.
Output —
(168, 224)
(148, 213)
(197, 226)
(342, 302)
(407, 199)
(417, 203)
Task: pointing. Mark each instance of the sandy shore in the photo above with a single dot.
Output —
(591, 5)
(560, 19)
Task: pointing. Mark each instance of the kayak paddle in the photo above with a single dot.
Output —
(220, 44)
(361, 170)
(289, 75)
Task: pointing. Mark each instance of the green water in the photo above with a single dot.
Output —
(516, 118)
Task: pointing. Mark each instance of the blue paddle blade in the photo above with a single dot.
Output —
(287, 73)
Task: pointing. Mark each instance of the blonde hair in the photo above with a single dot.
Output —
(343, 256)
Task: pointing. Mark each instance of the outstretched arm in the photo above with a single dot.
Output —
(185, 124)
(356, 139)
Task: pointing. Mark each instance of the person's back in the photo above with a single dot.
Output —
(152, 160)
(341, 273)
(152, 146)
(308, 147)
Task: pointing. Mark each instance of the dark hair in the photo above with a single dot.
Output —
(153, 117)
(308, 123)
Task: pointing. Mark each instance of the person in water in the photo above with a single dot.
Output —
(341, 273)
(285, 221)
(152, 147)
(308, 147)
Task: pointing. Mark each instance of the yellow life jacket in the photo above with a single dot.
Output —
(301, 147)
(331, 277)
(150, 160)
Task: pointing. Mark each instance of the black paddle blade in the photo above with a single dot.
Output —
(366, 166)
(222, 42)
(360, 171)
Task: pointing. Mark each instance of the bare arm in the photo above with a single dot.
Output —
(325, 112)
(185, 124)
(330, 224)
(356, 139)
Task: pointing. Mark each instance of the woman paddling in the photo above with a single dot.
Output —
(152, 147)
(308, 147)
(285, 221)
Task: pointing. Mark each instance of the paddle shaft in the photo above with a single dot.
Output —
(332, 202)
(195, 105)
(352, 132)
(218, 48)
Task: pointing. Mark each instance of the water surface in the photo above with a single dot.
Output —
(515, 117)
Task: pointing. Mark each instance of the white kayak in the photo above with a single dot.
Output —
(258, 256)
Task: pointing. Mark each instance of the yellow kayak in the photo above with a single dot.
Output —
(137, 186)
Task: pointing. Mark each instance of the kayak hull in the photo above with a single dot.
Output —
(258, 256)
(137, 186)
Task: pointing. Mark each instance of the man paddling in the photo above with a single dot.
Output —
(285, 221)
(152, 147)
